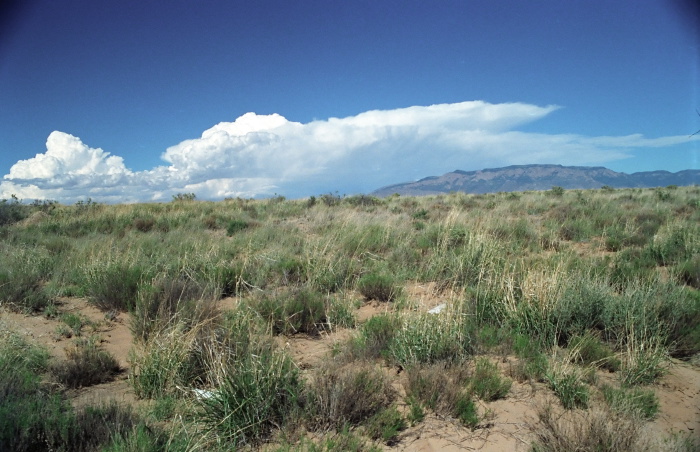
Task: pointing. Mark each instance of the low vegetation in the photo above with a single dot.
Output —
(550, 288)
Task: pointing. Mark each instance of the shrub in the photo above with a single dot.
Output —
(96, 426)
(86, 365)
(172, 300)
(235, 226)
(487, 382)
(645, 361)
(429, 338)
(376, 286)
(23, 271)
(438, 385)
(374, 337)
(689, 271)
(590, 430)
(31, 417)
(349, 394)
(557, 191)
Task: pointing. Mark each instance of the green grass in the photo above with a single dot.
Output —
(606, 276)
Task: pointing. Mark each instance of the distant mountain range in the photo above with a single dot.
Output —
(538, 177)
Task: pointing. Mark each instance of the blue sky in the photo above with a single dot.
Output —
(127, 101)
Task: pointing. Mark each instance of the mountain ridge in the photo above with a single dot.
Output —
(537, 177)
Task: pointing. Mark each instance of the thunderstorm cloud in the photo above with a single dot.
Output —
(258, 155)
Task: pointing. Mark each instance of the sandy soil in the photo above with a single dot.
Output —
(506, 424)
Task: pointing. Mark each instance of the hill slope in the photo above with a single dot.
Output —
(538, 177)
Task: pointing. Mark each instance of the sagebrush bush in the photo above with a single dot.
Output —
(587, 431)
(338, 394)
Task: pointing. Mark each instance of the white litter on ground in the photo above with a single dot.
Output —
(437, 309)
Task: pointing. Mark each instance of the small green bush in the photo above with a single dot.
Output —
(236, 226)
(385, 425)
(298, 311)
(589, 350)
(429, 338)
(374, 337)
(689, 271)
(465, 410)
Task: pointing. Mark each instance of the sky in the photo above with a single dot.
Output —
(136, 101)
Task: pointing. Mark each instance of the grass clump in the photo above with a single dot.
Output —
(291, 312)
(23, 271)
(638, 402)
(258, 394)
(428, 338)
(567, 384)
(114, 285)
(590, 350)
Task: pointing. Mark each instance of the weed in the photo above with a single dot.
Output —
(114, 286)
(301, 311)
(416, 412)
(590, 350)
(429, 338)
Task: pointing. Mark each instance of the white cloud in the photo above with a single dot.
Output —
(262, 154)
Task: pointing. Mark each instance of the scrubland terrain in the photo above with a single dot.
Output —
(558, 320)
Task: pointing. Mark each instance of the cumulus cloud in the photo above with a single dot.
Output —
(257, 155)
